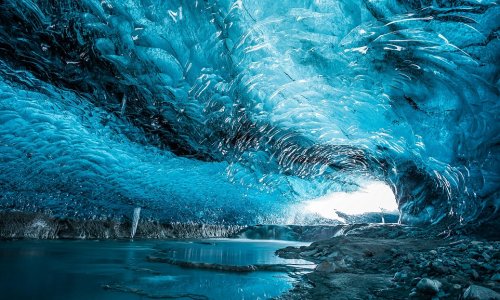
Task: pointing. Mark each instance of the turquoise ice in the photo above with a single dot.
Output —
(232, 111)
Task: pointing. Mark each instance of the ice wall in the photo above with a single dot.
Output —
(231, 111)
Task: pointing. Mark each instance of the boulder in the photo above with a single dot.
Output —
(326, 267)
(428, 286)
(476, 292)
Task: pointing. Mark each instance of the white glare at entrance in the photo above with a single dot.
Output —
(374, 197)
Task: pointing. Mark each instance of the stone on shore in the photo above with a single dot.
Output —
(428, 286)
(476, 292)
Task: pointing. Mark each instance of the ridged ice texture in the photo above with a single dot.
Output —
(231, 111)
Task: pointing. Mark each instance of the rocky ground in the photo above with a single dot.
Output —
(397, 262)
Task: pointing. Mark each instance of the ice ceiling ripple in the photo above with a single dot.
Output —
(212, 111)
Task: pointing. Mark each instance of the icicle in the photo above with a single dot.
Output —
(135, 221)
(124, 105)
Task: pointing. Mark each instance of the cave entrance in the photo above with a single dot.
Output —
(374, 202)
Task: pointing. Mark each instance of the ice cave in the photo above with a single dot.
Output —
(250, 149)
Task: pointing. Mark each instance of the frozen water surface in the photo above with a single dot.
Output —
(120, 270)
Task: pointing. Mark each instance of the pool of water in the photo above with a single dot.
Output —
(34, 269)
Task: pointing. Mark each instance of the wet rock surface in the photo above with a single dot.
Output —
(223, 267)
(384, 262)
(475, 292)
(320, 232)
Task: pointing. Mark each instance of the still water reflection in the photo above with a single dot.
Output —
(120, 270)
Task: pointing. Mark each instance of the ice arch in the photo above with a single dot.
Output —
(232, 110)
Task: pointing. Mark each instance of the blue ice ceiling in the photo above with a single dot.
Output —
(233, 111)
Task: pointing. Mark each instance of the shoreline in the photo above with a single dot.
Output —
(377, 264)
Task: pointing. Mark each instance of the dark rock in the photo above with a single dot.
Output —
(413, 295)
(400, 276)
(437, 267)
(476, 292)
(326, 267)
(309, 253)
(414, 281)
(487, 267)
(486, 256)
(474, 274)
(333, 254)
(428, 286)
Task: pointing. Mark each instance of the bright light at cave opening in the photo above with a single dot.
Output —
(374, 197)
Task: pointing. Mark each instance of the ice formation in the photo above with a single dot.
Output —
(232, 111)
(135, 221)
